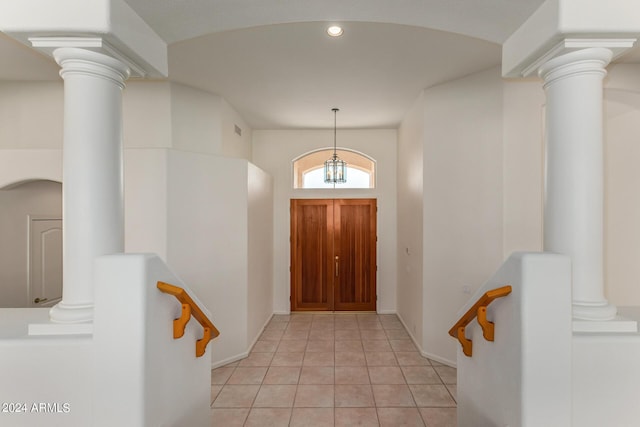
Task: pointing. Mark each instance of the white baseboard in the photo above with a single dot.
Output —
(257, 337)
(387, 312)
(431, 356)
(229, 360)
(439, 359)
(244, 354)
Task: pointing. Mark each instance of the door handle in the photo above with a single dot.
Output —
(337, 265)
(39, 300)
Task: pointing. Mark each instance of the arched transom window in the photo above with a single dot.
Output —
(308, 170)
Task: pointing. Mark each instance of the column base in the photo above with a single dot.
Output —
(71, 313)
(600, 318)
(594, 311)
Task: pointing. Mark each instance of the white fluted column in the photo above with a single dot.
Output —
(93, 214)
(573, 209)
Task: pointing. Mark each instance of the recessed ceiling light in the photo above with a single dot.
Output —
(335, 31)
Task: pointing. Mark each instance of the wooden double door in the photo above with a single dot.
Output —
(333, 254)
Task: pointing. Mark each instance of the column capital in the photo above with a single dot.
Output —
(81, 61)
(108, 26)
(560, 26)
(98, 45)
(617, 46)
(589, 60)
(527, 67)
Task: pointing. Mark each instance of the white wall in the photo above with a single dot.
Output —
(146, 111)
(211, 217)
(274, 150)
(207, 239)
(622, 174)
(145, 201)
(25, 165)
(605, 374)
(16, 204)
(622, 212)
(154, 379)
(482, 197)
(146, 114)
(195, 119)
(259, 251)
(411, 137)
(523, 157)
(44, 369)
(202, 122)
(234, 145)
(462, 232)
(156, 114)
(523, 377)
(31, 115)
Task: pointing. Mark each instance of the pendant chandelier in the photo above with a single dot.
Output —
(335, 170)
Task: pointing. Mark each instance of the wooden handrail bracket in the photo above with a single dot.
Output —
(479, 310)
(180, 323)
(201, 344)
(466, 344)
(488, 328)
(190, 308)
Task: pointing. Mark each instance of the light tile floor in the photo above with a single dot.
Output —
(334, 370)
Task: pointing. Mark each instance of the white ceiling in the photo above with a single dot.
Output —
(291, 75)
(273, 62)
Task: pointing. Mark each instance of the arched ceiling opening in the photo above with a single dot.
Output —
(491, 20)
(291, 75)
(273, 62)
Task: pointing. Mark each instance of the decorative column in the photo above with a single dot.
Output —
(573, 209)
(93, 213)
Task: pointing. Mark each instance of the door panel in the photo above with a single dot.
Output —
(45, 262)
(312, 240)
(333, 254)
(355, 247)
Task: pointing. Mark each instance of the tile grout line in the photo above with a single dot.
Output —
(360, 321)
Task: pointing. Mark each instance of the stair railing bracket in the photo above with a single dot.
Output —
(479, 311)
(190, 308)
(467, 344)
(180, 323)
(488, 328)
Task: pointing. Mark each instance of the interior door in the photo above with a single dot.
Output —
(45, 261)
(333, 254)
